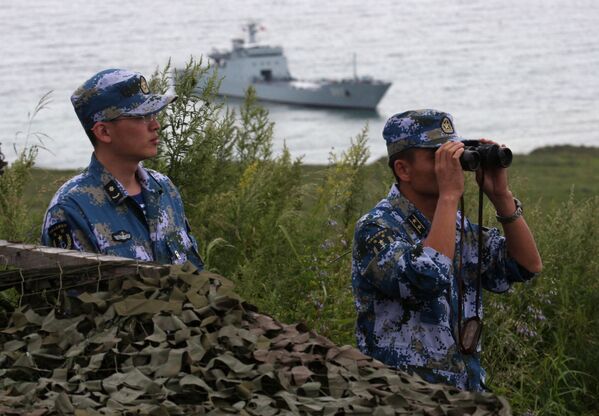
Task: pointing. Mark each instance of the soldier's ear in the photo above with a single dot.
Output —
(402, 169)
(102, 132)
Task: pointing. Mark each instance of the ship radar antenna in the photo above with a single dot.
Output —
(252, 28)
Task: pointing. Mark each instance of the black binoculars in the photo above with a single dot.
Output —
(488, 156)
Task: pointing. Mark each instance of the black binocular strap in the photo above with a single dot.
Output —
(479, 262)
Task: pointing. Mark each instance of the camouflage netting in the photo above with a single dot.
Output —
(179, 343)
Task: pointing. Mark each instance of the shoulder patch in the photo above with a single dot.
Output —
(381, 240)
(60, 235)
(121, 236)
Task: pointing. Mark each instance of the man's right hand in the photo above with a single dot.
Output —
(450, 176)
(450, 183)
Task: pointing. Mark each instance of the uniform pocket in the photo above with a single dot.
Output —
(129, 250)
(435, 311)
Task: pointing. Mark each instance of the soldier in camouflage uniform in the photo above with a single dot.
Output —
(116, 206)
(406, 254)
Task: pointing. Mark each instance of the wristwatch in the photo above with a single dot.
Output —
(511, 218)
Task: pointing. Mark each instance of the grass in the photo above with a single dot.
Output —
(547, 176)
(540, 344)
(550, 174)
(42, 186)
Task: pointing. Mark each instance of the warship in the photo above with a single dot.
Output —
(265, 68)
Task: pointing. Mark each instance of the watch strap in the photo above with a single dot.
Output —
(511, 218)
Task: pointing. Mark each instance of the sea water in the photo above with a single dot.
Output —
(523, 73)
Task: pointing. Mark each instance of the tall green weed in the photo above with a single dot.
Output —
(542, 338)
(248, 206)
(16, 223)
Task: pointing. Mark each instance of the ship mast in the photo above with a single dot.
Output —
(252, 30)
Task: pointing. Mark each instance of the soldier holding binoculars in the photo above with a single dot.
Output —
(418, 267)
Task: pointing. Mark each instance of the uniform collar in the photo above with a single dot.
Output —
(146, 180)
(408, 211)
(113, 188)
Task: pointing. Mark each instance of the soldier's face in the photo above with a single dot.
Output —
(134, 138)
(422, 172)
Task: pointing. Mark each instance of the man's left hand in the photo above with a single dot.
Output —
(496, 186)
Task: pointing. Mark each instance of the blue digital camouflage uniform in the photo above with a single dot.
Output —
(93, 212)
(406, 295)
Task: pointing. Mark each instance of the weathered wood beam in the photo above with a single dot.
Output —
(29, 257)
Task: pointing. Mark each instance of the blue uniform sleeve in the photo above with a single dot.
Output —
(499, 270)
(395, 266)
(66, 227)
(184, 238)
(196, 259)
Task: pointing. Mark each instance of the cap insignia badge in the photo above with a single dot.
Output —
(446, 126)
(143, 85)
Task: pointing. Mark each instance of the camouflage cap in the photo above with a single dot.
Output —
(418, 128)
(113, 93)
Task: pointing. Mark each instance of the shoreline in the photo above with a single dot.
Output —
(550, 149)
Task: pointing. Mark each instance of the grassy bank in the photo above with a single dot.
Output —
(547, 177)
(540, 340)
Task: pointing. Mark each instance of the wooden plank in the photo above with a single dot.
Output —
(27, 256)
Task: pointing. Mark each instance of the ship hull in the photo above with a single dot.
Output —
(264, 67)
(332, 94)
